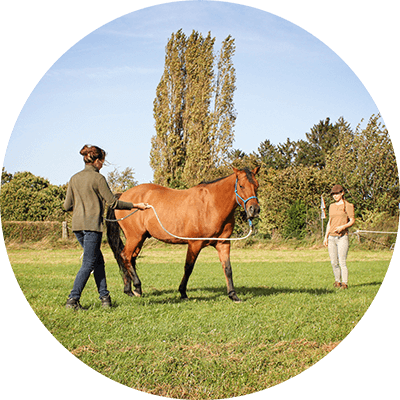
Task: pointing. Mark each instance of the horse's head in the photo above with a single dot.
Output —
(246, 191)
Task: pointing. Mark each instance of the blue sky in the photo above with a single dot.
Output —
(101, 91)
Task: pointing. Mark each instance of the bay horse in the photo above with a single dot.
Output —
(204, 211)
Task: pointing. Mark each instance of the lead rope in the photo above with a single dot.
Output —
(186, 238)
(180, 237)
(121, 219)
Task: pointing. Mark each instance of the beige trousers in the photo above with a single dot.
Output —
(338, 247)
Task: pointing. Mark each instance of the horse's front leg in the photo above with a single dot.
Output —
(191, 257)
(224, 249)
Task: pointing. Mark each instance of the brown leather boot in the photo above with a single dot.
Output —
(344, 286)
(336, 284)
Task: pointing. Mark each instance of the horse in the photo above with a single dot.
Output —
(204, 211)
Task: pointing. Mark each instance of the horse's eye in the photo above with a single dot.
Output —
(241, 187)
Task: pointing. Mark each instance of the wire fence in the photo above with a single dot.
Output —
(361, 234)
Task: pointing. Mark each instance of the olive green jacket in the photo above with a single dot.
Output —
(86, 194)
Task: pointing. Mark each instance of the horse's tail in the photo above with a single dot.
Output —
(114, 239)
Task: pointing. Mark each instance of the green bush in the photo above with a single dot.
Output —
(296, 222)
(26, 197)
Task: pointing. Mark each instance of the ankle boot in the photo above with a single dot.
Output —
(74, 304)
(106, 301)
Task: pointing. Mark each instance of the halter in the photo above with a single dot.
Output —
(244, 201)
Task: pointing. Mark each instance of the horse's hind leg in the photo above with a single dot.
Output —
(127, 280)
(129, 254)
(124, 272)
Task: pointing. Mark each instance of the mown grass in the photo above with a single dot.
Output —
(206, 347)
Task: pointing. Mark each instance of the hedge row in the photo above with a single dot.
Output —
(27, 231)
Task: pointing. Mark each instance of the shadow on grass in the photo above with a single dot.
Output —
(172, 296)
(368, 284)
(244, 293)
(271, 291)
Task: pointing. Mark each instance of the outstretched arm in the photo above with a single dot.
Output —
(141, 206)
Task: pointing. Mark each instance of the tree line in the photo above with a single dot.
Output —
(293, 177)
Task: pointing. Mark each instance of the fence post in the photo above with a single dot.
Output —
(64, 230)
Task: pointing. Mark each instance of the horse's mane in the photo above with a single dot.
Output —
(209, 182)
(249, 176)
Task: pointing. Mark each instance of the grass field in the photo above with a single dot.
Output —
(206, 347)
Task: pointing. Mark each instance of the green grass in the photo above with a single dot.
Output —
(206, 347)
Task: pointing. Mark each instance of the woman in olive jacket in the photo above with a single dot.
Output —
(86, 194)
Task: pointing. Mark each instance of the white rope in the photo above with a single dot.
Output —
(385, 233)
(121, 219)
(187, 238)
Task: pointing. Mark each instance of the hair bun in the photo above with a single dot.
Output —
(92, 153)
(84, 150)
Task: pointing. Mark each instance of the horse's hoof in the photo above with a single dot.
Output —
(137, 294)
(234, 298)
(130, 293)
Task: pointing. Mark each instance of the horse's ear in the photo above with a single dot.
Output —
(255, 170)
(235, 170)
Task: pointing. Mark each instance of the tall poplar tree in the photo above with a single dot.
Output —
(196, 118)
(167, 157)
(193, 110)
(224, 115)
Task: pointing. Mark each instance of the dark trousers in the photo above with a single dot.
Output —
(92, 261)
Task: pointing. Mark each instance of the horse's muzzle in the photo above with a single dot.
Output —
(253, 211)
